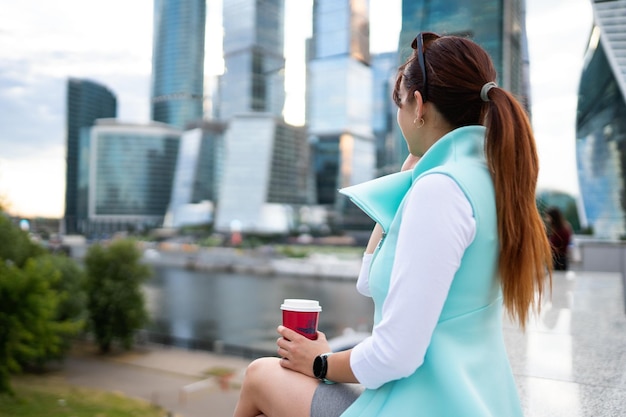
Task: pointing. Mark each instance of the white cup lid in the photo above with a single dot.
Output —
(296, 304)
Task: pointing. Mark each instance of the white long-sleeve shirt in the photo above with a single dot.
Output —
(437, 227)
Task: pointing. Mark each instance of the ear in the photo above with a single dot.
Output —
(419, 104)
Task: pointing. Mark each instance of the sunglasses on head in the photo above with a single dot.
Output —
(418, 44)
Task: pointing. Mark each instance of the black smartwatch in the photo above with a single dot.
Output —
(320, 366)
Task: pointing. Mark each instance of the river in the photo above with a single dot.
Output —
(238, 313)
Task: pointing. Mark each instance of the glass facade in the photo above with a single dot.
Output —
(178, 61)
(601, 124)
(339, 101)
(86, 102)
(198, 171)
(253, 57)
(265, 178)
(384, 70)
(131, 171)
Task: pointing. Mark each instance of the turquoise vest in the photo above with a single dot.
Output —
(466, 372)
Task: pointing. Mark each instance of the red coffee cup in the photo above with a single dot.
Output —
(302, 316)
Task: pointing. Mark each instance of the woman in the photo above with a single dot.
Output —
(457, 235)
(560, 236)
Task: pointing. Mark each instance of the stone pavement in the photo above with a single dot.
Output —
(570, 362)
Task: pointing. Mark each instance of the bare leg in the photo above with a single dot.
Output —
(269, 389)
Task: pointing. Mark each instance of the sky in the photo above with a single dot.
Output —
(42, 43)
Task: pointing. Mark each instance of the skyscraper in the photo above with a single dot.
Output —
(178, 61)
(254, 60)
(264, 172)
(339, 103)
(86, 101)
(130, 175)
(601, 123)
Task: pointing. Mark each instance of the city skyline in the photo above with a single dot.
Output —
(42, 46)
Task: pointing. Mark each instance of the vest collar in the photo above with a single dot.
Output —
(380, 198)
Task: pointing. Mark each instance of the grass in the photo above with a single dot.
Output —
(49, 396)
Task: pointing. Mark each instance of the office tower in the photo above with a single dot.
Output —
(265, 175)
(178, 61)
(86, 101)
(253, 57)
(198, 174)
(601, 123)
(339, 103)
(496, 25)
(129, 176)
(384, 71)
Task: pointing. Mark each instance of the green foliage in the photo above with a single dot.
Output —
(15, 244)
(40, 303)
(115, 302)
(72, 299)
(29, 333)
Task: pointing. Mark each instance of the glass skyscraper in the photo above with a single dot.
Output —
(178, 61)
(601, 123)
(129, 176)
(86, 102)
(198, 174)
(254, 60)
(339, 102)
(263, 178)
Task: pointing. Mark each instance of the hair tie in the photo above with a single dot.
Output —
(485, 90)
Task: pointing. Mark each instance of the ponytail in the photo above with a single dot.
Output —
(525, 255)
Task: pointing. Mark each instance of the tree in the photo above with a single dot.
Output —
(40, 306)
(115, 302)
(28, 331)
(15, 244)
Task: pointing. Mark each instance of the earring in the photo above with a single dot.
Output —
(421, 122)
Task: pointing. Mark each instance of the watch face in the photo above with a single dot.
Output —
(317, 366)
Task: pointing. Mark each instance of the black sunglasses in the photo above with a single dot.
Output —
(418, 43)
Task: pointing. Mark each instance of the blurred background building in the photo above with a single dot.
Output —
(601, 122)
(178, 61)
(129, 177)
(86, 101)
(339, 103)
(241, 165)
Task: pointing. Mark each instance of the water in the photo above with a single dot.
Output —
(238, 313)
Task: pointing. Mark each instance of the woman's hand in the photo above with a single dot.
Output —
(410, 162)
(298, 352)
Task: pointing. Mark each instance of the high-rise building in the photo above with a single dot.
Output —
(264, 179)
(178, 61)
(128, 181)
(496, 25)
(254, 60)
(339, 102)
(384, 71)
(198, 175)
(601, 122)
(86, 102)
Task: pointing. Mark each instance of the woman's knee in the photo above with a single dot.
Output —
(260, 369)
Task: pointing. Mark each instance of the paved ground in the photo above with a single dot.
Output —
(571, 362)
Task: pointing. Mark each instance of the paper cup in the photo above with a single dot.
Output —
(302, 316)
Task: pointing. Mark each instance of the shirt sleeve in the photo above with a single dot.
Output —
(362, 283)
(437, 227)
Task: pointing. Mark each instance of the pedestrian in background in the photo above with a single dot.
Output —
(457, 236)
(560, 236)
